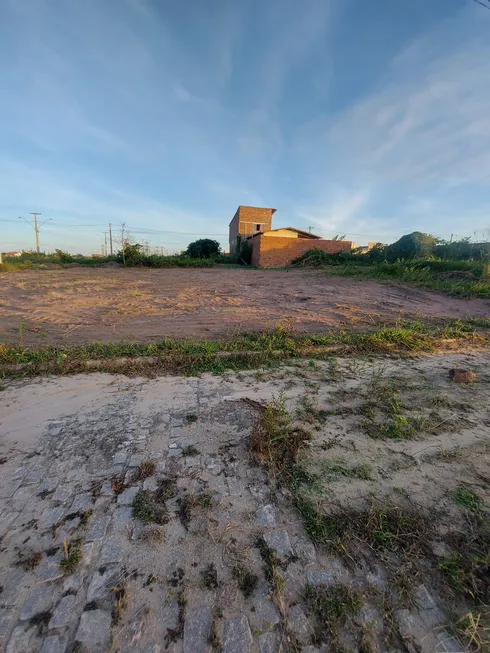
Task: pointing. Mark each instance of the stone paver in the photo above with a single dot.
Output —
(127, 496)
(64, 613)
(97, 527)
(196, 631)
(21, 640)
(121, 519)
(269, 642)
(40, 599)
(334, 572)
(102, 584)
(237, 637)
(94, 631)
(279, 542)
(299, 624)
(53, 644)
(266, 517)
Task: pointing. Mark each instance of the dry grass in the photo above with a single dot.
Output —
(144, 470)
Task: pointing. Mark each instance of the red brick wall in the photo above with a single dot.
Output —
(277, 252)
(245, 220)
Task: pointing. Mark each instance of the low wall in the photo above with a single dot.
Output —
(278, 252)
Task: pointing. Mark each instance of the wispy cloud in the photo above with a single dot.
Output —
(424, 133)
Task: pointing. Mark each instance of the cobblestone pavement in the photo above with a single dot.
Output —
(80, 572)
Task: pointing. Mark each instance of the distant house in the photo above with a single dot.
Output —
(276, 248)
(12, 254)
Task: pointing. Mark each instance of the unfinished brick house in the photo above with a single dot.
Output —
(249, 220)
(276, 248)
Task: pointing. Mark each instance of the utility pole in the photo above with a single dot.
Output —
(36, 226)
(36, 229)
(110, 236)
(309, 229)
(122, 241)
(105, 243)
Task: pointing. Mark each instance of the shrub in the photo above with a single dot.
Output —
(412, 245)
(204, 248)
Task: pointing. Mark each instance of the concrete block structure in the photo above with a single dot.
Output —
(249, 220)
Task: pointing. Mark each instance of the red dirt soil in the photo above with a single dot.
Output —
(81, 305)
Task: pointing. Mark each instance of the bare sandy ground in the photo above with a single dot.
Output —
(86, 305)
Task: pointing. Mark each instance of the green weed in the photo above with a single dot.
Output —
(72, 555)
(467, 568)
(247, 581)
(274, 442)
(148, 510)
(333, 607)
(209, 577)
(465, 498)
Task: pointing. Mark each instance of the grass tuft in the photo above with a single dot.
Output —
(274, 442)
(209, 577)
(247, 581)
(467, 568)
(333, 607)
(72, 556)
(144, 470)
(148, 510)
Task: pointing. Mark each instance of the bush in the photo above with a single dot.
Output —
(462, 250)
(204, 248)
(414, 245)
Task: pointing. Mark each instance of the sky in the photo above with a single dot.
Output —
(369, 119)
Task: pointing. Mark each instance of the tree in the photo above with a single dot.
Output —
(204, 248)
(63, 257)
(414, 245)
(133, 253)
(377, 253)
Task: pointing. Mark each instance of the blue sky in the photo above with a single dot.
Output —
(365, 118)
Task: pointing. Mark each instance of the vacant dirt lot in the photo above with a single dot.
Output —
(86, 305)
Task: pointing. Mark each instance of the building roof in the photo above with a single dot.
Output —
(304, 234)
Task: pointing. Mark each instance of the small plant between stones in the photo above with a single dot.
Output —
(149, 510)
(209, 577)
(72, 556)
(144, 470)
(247, 581)
(190, 450)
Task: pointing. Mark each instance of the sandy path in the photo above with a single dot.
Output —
(84, 305)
